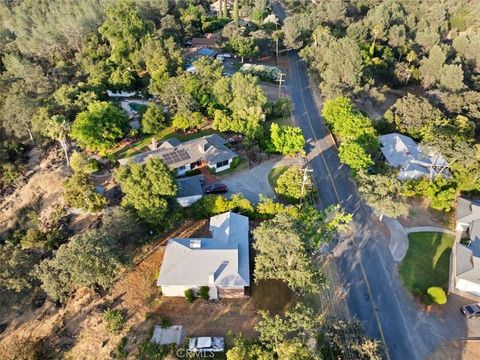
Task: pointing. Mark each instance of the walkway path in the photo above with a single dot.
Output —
(399, 236)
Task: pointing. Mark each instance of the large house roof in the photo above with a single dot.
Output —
(210, 149)
(403, 152)
(222, 260)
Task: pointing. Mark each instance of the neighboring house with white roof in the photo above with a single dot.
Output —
(466, 257)
(221, 262)
(412, 160)
(190, 190)
(208, 151)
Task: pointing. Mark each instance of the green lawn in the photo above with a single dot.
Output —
(274, 174)
(427, 261)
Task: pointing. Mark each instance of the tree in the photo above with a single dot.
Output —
(274, 330)
(187, 120)
(411, 113)
(348, 124)
(451, 77)
(89, 259)
(382, 193)
(282, 255)
(235, 12)
(244, 46)
(80, 193)
(293, 184)
(57, 128)
(153, 119)
(149, 189)
(340, 337)
(431, 67)
(243, 98)
(81, 163)
(287, 140)
(355, 156)
(16, 268)
(100, 126)
(124, 28)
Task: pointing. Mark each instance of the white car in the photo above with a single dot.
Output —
(225, 55)
(206, 344)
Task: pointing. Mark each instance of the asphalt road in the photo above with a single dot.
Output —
(367, 270)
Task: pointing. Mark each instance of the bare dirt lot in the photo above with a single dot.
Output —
(78, 331)
(421, 214)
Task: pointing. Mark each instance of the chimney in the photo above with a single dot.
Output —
(211, 279)
(153, 145)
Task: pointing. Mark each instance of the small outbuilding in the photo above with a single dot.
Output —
(190, 190)
(169, 335)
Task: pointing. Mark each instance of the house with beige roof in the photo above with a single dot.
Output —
(221, 262)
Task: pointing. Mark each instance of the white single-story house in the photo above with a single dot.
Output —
(208, 151)
(190, 190)
(221, 262)
(466, 256)
(412, 160)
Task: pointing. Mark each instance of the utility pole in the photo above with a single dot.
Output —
(280, 82)
(306, 170)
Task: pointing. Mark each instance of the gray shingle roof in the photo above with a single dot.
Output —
(225, 256)
(190, 186)
(210, 148)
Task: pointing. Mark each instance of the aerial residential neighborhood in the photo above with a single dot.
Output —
(240, 179)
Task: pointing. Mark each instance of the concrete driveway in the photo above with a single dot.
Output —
(254, 181)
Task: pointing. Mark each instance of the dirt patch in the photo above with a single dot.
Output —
(420, 213)
(43, 191)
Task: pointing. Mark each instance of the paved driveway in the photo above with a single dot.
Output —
(254, 181)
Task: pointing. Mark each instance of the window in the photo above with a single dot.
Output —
(222, 164)
(181, 168)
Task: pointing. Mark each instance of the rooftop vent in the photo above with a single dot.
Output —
(195, 244)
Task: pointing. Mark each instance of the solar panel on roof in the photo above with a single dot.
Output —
(175, 156)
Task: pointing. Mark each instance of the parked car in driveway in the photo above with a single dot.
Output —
(206, 344)
(217, 188)
(471, 311)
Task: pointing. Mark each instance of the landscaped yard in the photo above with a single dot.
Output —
(427, 261)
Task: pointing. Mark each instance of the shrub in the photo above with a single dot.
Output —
(437, 294)
(152, 351)
(164, 321)
(204, 293)
(189, 295)
(114, 320)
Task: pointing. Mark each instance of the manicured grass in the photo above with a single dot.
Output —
(427, 261)
(274, 174)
